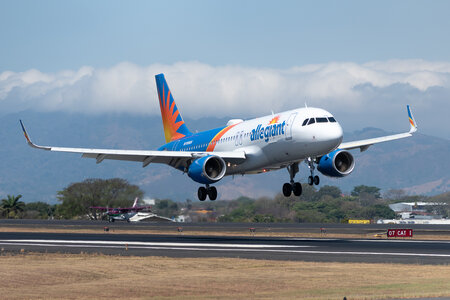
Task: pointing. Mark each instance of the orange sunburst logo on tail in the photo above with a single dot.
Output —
(169, 116)
(174, 126)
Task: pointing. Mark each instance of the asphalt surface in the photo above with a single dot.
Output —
(238, 228)
(182, 246)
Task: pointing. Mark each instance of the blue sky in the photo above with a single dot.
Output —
(55, 35)
(353, 57)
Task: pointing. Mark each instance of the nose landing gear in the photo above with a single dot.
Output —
(312, 179)
(292, 186)
(210, 191)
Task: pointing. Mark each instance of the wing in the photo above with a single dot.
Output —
(135, 208)
(364, 144)
(99, 208)
(141, 208)
(172, 158)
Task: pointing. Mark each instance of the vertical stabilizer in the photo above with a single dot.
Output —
(174, 127)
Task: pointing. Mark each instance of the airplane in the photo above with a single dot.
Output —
(121, 214)
(273, 142)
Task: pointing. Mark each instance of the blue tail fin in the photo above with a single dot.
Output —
(174, 127)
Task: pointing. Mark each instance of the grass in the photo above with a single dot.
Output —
(96, 276)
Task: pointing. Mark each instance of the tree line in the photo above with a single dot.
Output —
(325, 205)
(75, 200)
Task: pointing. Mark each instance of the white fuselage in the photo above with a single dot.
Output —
(269, 148)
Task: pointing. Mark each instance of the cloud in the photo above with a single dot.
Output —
(361, 92)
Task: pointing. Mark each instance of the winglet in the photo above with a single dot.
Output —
(412, 122)
(28, 138)
(25, 132)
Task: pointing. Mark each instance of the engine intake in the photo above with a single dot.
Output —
(338, 163)
(207, 169)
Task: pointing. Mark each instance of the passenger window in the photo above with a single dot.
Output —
(322, 120)
(311, 121)
(332, 120)
(304, 122)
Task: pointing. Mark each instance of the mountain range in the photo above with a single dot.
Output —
(419, 165)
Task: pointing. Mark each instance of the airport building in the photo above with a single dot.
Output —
(418, 213)
(417, 210)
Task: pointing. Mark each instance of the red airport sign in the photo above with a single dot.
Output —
(399, 233)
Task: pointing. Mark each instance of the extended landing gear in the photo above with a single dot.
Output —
(292, 186)
(312, 179)
(210, 191)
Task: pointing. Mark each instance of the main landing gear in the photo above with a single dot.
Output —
(296, 187)
(292, 186)
(312, 179)
(210, 191)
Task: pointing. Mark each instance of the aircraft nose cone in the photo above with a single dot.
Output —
(338, 134)
(333, 135)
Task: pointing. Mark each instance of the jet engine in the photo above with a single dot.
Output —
(338, 163)
(207, 169)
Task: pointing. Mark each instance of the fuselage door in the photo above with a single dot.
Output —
(289, 124)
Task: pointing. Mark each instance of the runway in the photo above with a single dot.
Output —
(235, 228)
(301, 249)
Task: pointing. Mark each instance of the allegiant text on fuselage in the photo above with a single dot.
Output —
(264, 133)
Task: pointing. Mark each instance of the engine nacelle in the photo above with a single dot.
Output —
(338, 163)
(207, 169)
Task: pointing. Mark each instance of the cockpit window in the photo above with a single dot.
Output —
(304, 122)
(332, 120)
(311, 121)
(322, 120)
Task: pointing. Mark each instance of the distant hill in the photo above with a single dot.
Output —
(419, 165)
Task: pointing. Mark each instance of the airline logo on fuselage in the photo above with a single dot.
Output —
(264, 133)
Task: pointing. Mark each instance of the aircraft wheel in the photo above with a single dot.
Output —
(310, 180)
(202, 193)
(212, 193)
(128, 220)
(297, 189)
(287, 189)
(316, 180)
(111, 220)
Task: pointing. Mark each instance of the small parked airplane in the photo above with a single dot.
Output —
(258, 145)
(121, 214)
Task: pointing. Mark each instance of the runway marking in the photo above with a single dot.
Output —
(157, 244)
(73, 245)
(309, 239)
(369, 240)
(405, 241)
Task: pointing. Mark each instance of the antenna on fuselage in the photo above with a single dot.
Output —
(273, 115)
(307, 110)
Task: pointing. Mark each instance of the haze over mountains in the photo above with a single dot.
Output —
(419, 164)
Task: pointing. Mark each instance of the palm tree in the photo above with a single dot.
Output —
(12, 204)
